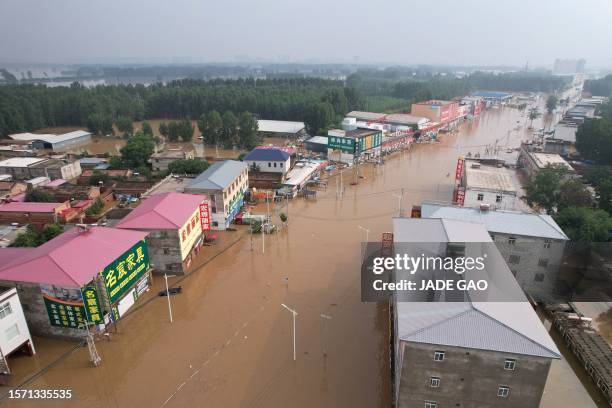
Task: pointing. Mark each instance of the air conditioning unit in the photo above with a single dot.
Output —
(485, 207)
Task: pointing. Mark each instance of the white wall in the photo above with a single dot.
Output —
(16, 317)
(508, 201)
(271, 166)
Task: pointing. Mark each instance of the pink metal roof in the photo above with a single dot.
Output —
(162, 211)
(29, 207)
(56, 183)
(71, 259)
(10, 254)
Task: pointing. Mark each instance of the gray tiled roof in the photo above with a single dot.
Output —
(218, 176)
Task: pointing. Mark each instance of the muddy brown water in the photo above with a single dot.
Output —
(230, 344)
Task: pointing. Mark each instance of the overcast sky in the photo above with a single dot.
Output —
(468, 32)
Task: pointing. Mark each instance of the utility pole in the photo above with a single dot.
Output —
(324, 319)
(168, 294)
(294, 313)
(367, 231)
(399, 202)
(91, 346)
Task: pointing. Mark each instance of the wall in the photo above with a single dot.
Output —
(271, 166)
(15, 317)
(469, 377)
(165, 251)
(508, 201)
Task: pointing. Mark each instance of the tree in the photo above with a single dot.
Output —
(146, 128)
(98, 177)
(173, 131)
(185, 130)
(585, 224)
(188, 166)
(215, 126)
(318, 117)
(125, 124)
(115, 162)
(551, 103)
(38, 196)
(605, 195)
(594, 140)
(32, 238)
(573, 193)
(229, 132)
(138, 150)
(543, 188)
(533, 114)
(50, 231)
(254, 167)
(100, 124)
(248, 130)
(95, 208)
(203, 126)
(163, 129)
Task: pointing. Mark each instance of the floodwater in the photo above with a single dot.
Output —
(230, 344)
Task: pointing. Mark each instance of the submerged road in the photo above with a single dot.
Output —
(230, 344)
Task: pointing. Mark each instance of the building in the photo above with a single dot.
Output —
(37, 214)
(23, 168)
(85, 276)
(14, 332)
(569, 66)
(347, 146)
(493, 97)
(280, 128)
(533, 162)
(438, 111)
(562, 141)
(161, 160)
(225, 183)
(9, 189)
(316, 144)
(491, 185)
(268, 160)
(396, 121)
(93, 163)
(469, 354)
(174, 223)
(54, 142)
(302, 172)
(532, 244)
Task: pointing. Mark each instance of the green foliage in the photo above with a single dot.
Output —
(585, 224)
(247, 131)
(380, 103)
(115, 162)
(188, 166)
(229, 131)
(283, 217)
(597, 174)
(573, 193)
(95, 208)
(319, 117)
(256, 227)
(533, 114)
(138, 150)
(601, 86)
(543, 188)
(32, 238)
(594, 140)
(100, 124)
(146, 128)
(50, 231)
(254, 167)
(125, 124)
(39, 196)
(605, 194)
(98, 177)
(163, 129)
(551, 103)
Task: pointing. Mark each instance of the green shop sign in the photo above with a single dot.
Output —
(120, 275)
(345, 144)
(92, 304)
(65, 313)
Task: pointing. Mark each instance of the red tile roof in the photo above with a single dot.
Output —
(162, 211)
(71, 259)
(29, 207)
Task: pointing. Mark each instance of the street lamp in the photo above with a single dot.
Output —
(325, 318)
(294, 313)
(168, 294)
(365, 247)
(399, 202)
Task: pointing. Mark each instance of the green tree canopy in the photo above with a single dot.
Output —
(543, 189)
(585, 224)
(188, 166)
(248, 130)
(39, 196)
(573, 193)
(594, 140)
(125, 124)
(229, 132)
(138, 150)
(551, 103)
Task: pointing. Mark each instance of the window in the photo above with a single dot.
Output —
(498, 199)
(274, 164)
(431, 404)
(514, 259)
(547, 243)
(434, 382)
(480, 197)
(539, 277)
(439, 356)
(511, 240)
(5, 310)
(166, 251)
(12, 332)
(543, 262)
(510, 364)
(503, 391)
(281, 164)
(269, 164)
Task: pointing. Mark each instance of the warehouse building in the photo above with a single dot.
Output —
(468, 354)
(55, 142)
(316, 144)
(85, 276)
(24, 168)
(225, 183)
(174, 223)
(347, 146)
(280, 128)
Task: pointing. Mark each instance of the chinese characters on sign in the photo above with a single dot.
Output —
(387, 244)
(205, 216)
(92, 304)
(119, 276)
(65, 313)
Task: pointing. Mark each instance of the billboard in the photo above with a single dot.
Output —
(205, 216)
(91, 303)
(124, 271)
(64, 306)
(190, 232)
(344, 144)
(459, 170)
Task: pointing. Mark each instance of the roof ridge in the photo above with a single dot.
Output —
(422, 329)
(516, 331)
(49, 255)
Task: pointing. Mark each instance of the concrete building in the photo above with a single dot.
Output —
(23, 168)
(37, 214)
(174, 223)
(54, 142)
(280, 128)
(316, 144)
(92, 274)
(533, 162)
(468, 354)
(14, 332)
(347, 146)
(396, 121)
(161, 160)
(9, 189)
(531, 244)
(96, 163)
(563, 140)
(268, 160)
(225, 183)
(569, 66)
(437, 110)
(490, 185)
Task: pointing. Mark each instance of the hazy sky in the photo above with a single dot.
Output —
(468, 32)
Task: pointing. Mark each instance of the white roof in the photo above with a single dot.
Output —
(489, 178)
(279, 126)
(318, 139)
(299, 174)
(565, 133)
(20, 161)
(510, 327)
(544, 159)
(49, 138)
(497, 221)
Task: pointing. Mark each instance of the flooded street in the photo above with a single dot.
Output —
(230, 344)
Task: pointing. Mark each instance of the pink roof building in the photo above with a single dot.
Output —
(27, 207)
(163, 211)
(71, 259)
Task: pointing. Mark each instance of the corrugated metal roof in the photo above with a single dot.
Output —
(218, 176)
(29, 207)
(279, 126)
(318, 140)
(49, 138)
(20, 161)
(489, 178)
(258, 154)
(498, 221)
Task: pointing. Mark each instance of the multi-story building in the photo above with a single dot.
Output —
(466, 354)
(225, 183)
(347, 146)
(268, 160)
(14, 332)
(533, 162)
(491, 185)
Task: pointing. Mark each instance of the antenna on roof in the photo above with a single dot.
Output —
(82, 227)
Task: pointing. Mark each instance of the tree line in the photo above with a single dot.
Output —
(28, 107)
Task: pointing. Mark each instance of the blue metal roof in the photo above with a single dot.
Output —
(218, 176)
(258, 154)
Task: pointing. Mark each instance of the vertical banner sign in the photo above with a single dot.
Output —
(92, 304)
(387, 244)
(460, 196)
(459, 170)
(125, 271)
(205, 216)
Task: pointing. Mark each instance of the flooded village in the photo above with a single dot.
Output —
(239, 286)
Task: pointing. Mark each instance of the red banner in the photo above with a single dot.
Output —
(387, 244)
(205, 216)
(459, 170)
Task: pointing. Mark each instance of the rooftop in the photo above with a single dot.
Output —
(162, 211)
(510, 327)
(173, 153)
(73, 258)
(318, 139)
(405, 119)
(218, 176)
(489, 178)
(27, 207)
(497, 221)
(49, 138)
(367, 116)
(544, 159)
(492, 94)
(279, 126)
(434, 102)
(262, 154)
(20, 161)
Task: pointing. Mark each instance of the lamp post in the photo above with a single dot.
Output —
(399, 202)
(168, 294)
(294, 313)
(325, 318)
(367, 231)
